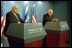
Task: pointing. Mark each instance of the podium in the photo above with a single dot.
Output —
(26, 34)
(56, 33)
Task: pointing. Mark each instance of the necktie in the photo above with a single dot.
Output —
(16, 17)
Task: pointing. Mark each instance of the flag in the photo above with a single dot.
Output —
(26, 13)
(3, 17)
(34, 20)
(1, 42)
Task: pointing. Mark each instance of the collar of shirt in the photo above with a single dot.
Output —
(13, 13)
(48, 15)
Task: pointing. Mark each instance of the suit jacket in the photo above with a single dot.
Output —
(11, 18)
(46, 18)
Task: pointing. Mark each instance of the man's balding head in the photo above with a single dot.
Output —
(15, 8)
(50, 12)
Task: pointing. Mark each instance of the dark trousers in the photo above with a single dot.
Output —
(44, 42)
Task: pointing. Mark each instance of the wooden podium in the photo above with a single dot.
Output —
(25, 35)
(56, 33)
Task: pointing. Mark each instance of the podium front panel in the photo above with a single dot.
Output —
(33, 32)
(16, 30)
(52, 26)
(64, 25)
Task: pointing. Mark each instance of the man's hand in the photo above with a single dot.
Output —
(53, 19)
(56, 20)
(26, 22)
(19, 22)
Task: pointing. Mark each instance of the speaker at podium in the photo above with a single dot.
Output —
(25, 35)
(56, 33)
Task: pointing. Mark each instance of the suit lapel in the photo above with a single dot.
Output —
(14, 16)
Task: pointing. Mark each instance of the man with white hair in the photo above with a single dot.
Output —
(12, 17)
(49, 17)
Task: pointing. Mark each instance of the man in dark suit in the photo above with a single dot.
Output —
(13, 17)
(48, 17)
